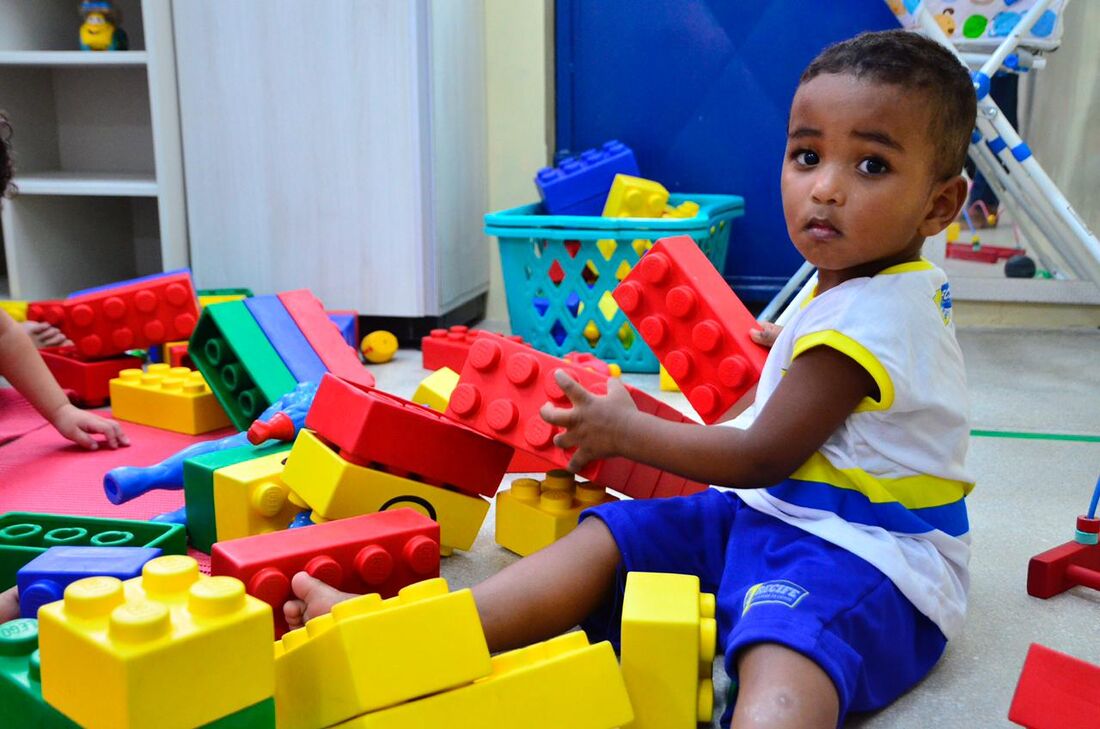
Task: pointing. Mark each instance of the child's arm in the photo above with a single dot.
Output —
(820, 389)
(23, 367)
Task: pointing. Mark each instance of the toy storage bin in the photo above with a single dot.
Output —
(559, 271)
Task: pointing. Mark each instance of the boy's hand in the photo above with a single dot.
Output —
(766, 335)
(78, 426)
(595, 423)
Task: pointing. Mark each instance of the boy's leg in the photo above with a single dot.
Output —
(780, 687)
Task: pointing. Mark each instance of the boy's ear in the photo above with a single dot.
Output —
(948, 197)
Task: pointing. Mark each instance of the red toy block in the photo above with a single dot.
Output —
(380, 552)
(524, 462)
(1057, 570)
(984, 254)
(449, 347)
(325, 337)
(176, 355)
(695, 324)
(1056, 691)
(51, 311)
(88, 382)
(132, 316)
(382, 431)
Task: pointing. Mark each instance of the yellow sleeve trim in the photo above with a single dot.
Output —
(912, 492)
(922, 265)
(846, 345)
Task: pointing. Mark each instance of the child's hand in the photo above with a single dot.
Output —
(594, 424)
(766, 335)
(77, 425)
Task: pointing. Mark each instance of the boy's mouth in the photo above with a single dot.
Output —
(821, 229)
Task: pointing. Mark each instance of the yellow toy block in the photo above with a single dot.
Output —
(16, 309)
(370, 653)
(563, 682)
(635, 197)
(337, 489)
(167, 346)
(379, 347)
(435, 389)
(666, 383)
(668, 643)
(535, 514)
(251, 498)
(210, 300)
(170, 649)
(686, 209)
(172, 398)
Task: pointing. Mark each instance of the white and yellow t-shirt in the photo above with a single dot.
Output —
(889, 484)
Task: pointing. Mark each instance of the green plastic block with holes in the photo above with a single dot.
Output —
(21, 702)
(239, 363)
(25, 535)
(198, 488)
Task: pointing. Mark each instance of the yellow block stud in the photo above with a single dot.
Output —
(686, 209)
(251, 498)
(562, 682)
(170, 649)
(666, 383)
(16, 309)
(171, 398)
(635, 197)
(379, 347)
(210, 300)
(533, 514)
(337, 489)
(370, 653)
(668, 643)
(435, 389)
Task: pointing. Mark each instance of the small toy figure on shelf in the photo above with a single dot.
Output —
(101, 29)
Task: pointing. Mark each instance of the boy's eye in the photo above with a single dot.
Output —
(806, 158)
(872, 166)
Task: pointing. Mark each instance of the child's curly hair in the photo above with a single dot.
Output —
(6, 172)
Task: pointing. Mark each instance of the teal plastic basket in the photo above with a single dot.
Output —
(559, 271)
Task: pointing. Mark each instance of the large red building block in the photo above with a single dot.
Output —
(695, 324)
(86, 382)
(384, 432)
(505, 383)
(380, 552)
(1057, 570)
(325, 338)
(132, 316)
(1056, 691)
(51, 311)
(449, 347)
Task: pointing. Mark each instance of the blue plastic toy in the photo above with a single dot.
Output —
(579, 185)
(43, 580)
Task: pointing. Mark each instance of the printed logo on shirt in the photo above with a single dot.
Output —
(779, 592)
(942, 298)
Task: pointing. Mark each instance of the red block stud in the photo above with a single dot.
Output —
(1056, 691)
(51, 311)
(280, 427)
(699, 330)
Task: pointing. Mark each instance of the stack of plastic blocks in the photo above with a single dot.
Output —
(534, 514)
(85, 381)
(255, 350)
(669, 638)
(504, 384)
(169, 649)
(579, 185)
(171, 398)
(379, 553)
(364, 450)
(695, 324)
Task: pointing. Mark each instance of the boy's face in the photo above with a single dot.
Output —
(859, 192)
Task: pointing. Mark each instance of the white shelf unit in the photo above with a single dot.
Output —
(96, 146)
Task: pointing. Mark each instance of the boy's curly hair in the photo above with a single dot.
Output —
(6, 172)
(911, 61)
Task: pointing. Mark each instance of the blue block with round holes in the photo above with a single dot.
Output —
(43, 580)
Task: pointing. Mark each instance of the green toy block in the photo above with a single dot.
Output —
(257, 716)
(21, 703)
(24, 536)
(198, 488)
(239, 363)
(247, 293)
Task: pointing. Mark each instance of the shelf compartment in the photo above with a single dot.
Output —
(102, 184)
(80, 59)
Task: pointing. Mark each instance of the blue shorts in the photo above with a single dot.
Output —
(775, 583)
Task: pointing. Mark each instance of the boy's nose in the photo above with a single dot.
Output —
(827, 188)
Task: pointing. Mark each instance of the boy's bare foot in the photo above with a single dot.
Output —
(45, 335)
(9, 605)
(314, 598)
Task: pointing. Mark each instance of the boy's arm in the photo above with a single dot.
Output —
(819, 391)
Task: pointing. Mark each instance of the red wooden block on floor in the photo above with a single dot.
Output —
(325, 337)
(87, 381)
(1056, 691)
(380, 552)
(382, 431)
(51, 311)
(695, 324)
(1057, 570)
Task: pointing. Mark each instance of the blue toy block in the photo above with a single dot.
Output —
(348, 324)
(139, 279)
(43, 580)
(579, 185)
(287, 338)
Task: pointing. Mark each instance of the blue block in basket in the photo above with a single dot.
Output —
(43, 580)
(579, 185)
(548, 315)
(287, 339)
